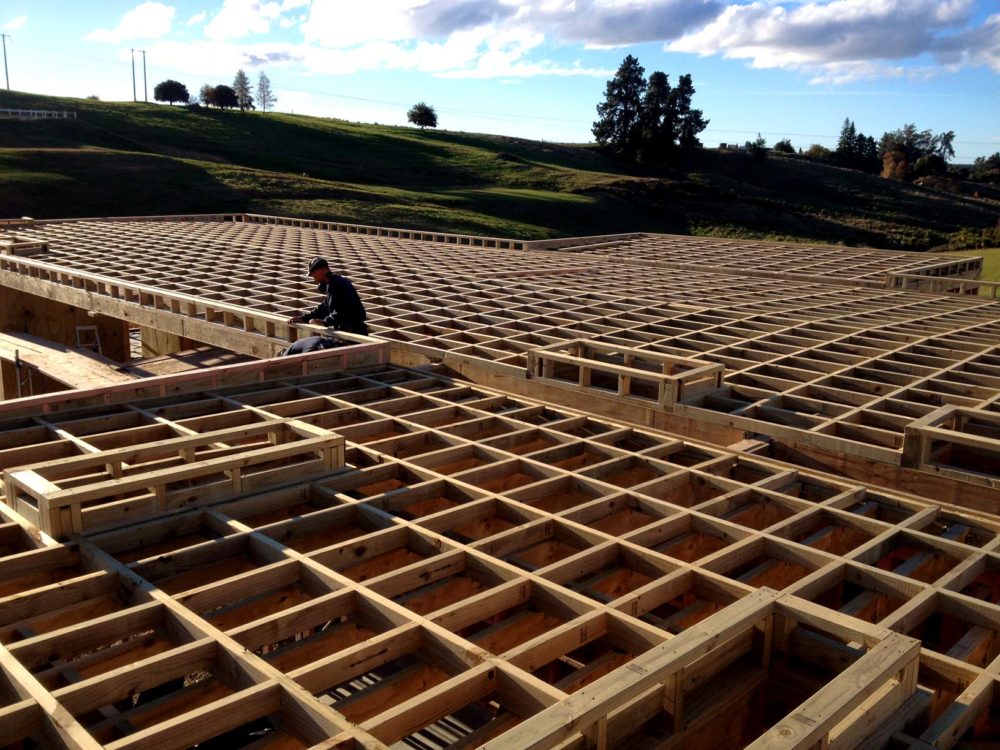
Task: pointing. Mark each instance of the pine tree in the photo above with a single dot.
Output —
(265, 97)
(241, 85)
(847, 144)
(619, 126)
(656, 120)
(689, 121)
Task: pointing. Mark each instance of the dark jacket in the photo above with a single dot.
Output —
(341, 307)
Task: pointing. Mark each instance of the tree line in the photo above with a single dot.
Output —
(241, 94)
(900, 154)
(903, 154)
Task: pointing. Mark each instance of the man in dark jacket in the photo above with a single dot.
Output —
(341, 308)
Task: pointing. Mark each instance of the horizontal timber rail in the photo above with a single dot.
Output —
(920, 282)
(238, 328)
(955, 441)
(111, 488)
(465, 240)
(19, 246)
(328, 361)
(629, 373)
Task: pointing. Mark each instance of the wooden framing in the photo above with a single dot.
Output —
(925, 283)
(818, 355)
(338, 550)
(519, 575)
(956, 441)
(110, 487)
(633, 373)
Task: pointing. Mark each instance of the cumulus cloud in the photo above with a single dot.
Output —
(486, 38)
(197, 18)
(146, 21)
(980, 46)
(334, 23)
(830, 41)
(845, 40)
(15, 23)
(607, 23)
(240, 18)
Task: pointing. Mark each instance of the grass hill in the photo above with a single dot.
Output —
(135, 158)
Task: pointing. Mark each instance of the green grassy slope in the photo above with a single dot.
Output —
(129, 158)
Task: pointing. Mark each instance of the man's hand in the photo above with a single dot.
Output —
(317, 322)
(295, 319)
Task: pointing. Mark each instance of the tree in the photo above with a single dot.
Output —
(855, 150)
(901, 149)
(422, 115)
(241, 87)
(867, 151)
(943, 145)
(784, 146)
(656, 121)
(170, 91)
(207, 95)
(647, 120)
(930, 164)
(847, 143)
(225, 97)
(757, 149)
(265, 97)
(619, 125)
(690, 121)
(818, 151)
(986, 168)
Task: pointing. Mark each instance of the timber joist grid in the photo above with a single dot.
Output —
(486, 571)
(813, 358)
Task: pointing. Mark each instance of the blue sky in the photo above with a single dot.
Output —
(783, 68)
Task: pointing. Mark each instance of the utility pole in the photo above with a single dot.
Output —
(145, 93)
(6, 75)
(133, 75)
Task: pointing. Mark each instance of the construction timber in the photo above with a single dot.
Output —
(541, 506)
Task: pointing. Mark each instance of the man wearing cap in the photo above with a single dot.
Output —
(341, 308)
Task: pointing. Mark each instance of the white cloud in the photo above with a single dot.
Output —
(334, 23)
(147, 21)
(337, 24)
(220, 59)
(980, 46)
(482, 52)
(197, 18)
(846, 40)
(240, 18)
(830, 41)
(15, 23)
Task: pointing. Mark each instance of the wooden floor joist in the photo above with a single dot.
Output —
(342, 550)
(820, 353)
(601, 586)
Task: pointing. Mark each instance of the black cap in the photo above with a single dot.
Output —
(318, 263)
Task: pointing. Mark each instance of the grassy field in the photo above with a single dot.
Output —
(135, 158)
